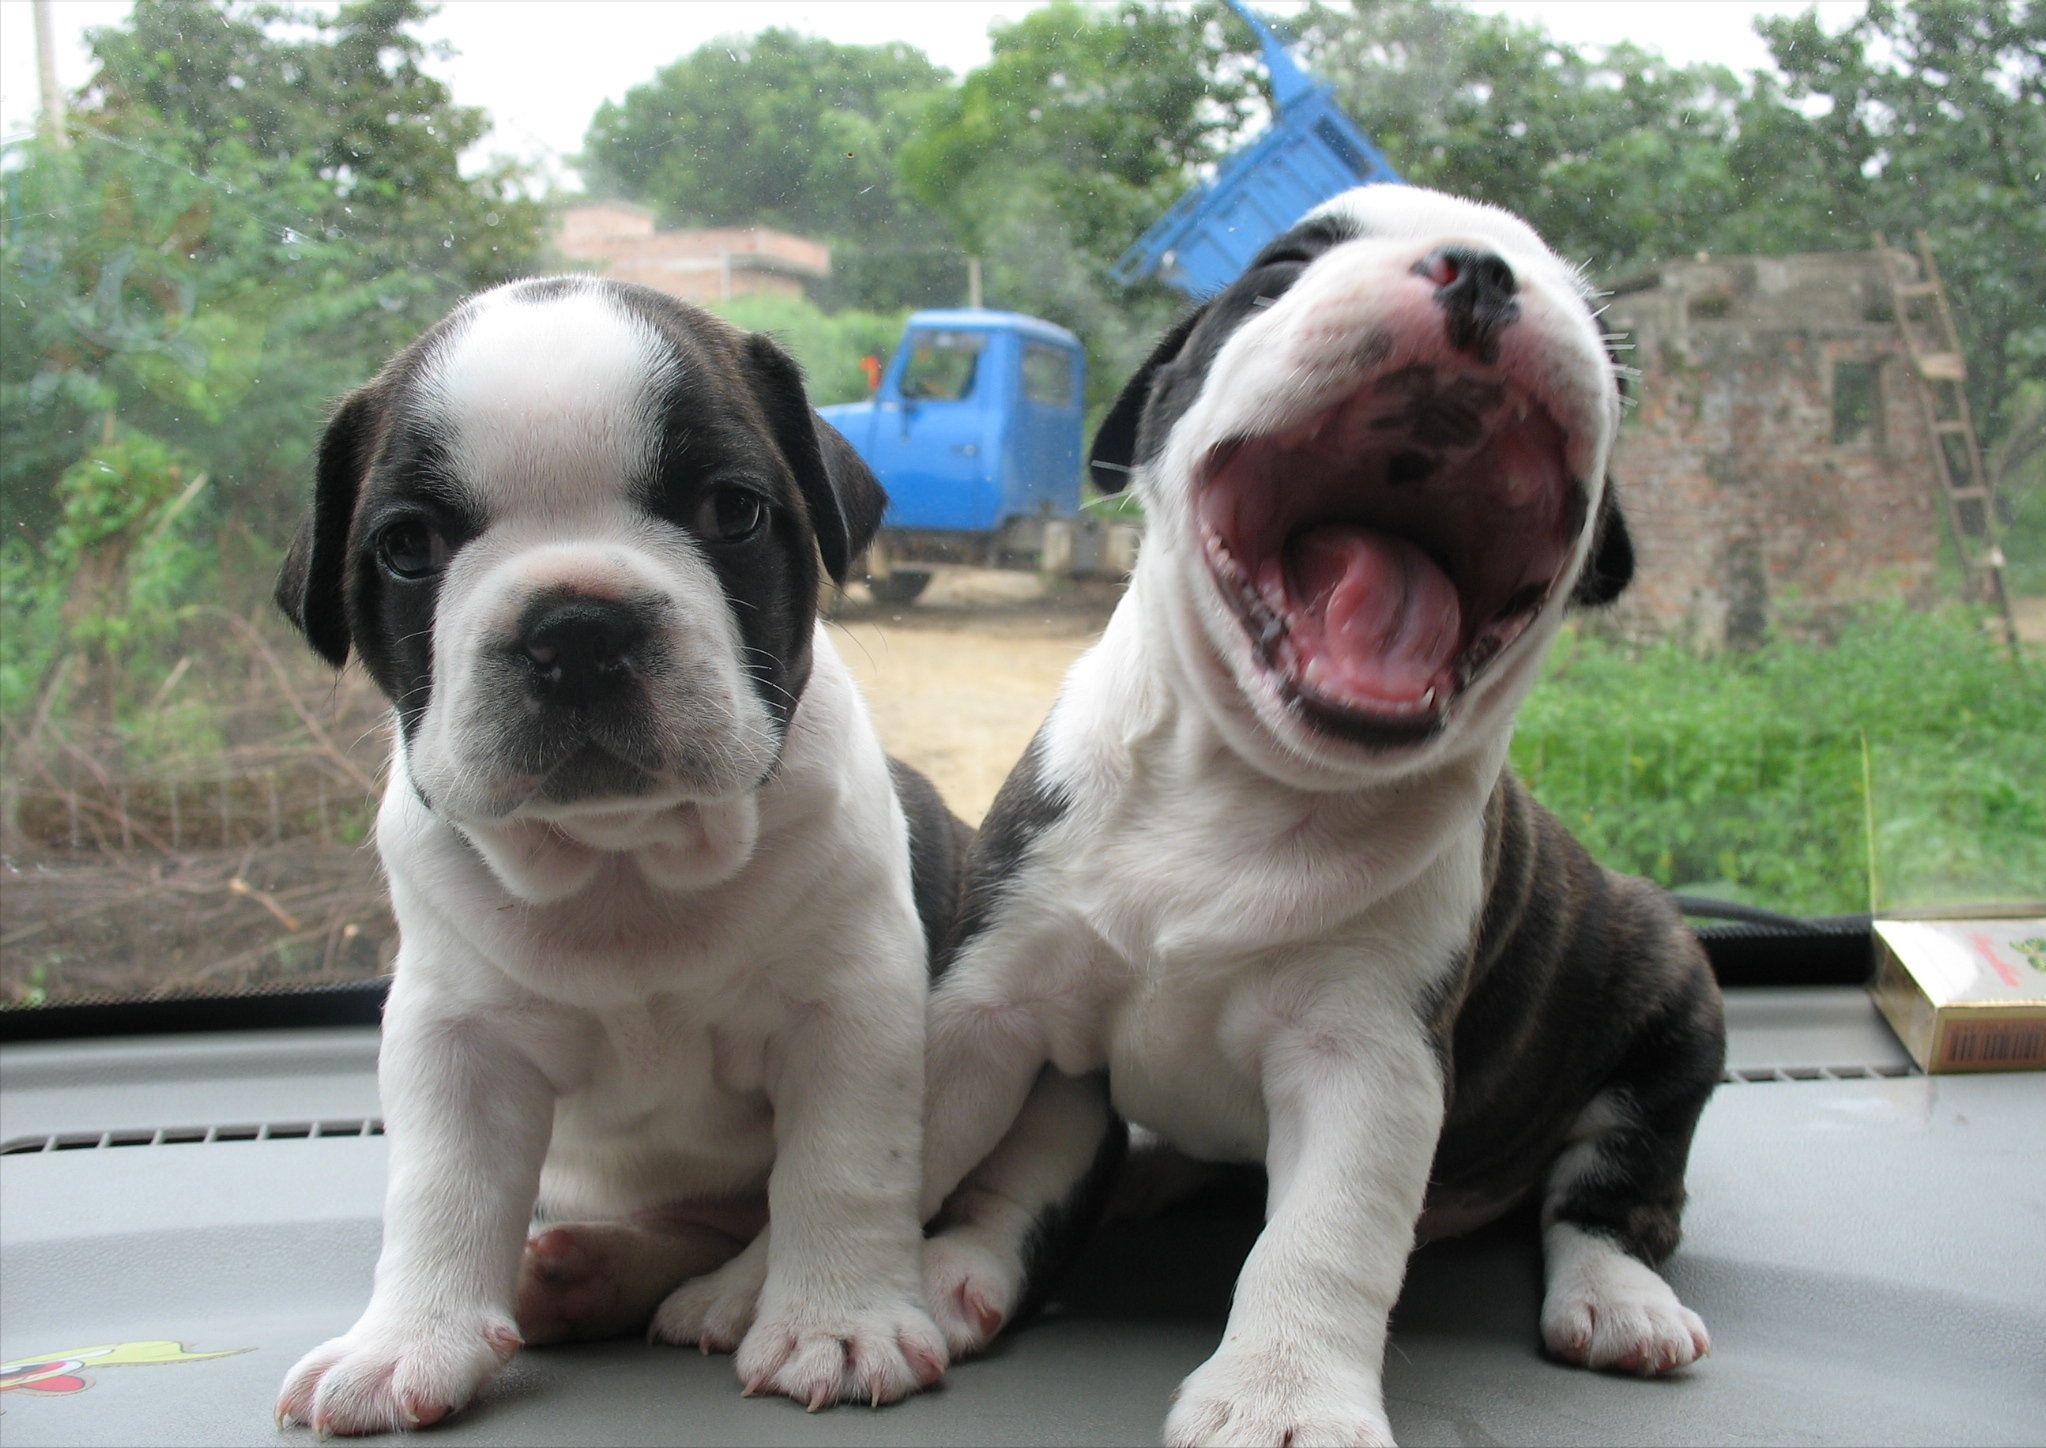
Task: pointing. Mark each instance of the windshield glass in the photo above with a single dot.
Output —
(1820, 232)
(941, 366)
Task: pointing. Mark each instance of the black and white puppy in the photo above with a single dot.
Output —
(1266, 869)
(663, 900)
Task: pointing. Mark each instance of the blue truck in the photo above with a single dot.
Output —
(975, 431)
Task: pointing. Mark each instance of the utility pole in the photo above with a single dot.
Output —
(46, 69)
(973, 282)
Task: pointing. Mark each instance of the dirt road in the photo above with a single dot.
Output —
(959, 682)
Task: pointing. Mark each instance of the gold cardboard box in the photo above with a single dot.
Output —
(1965, 995)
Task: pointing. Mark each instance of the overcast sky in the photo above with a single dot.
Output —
(541, 69)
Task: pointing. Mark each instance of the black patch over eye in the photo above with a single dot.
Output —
(1301, 246)
(731, 515)
(411, 548)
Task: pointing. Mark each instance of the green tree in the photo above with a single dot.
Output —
(775, 129)
(259, 206)
(1085, 124)
(1618, 157)
(1104, 112)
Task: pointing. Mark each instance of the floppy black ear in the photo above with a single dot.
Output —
(1611, 566)
(1115, 442)
(310, 585)
(844, 497)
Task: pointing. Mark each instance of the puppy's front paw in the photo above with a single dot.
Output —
(819, 1352)
(714, 1311)
(973, 1284)
(1617, 1315)
(1271, 1399)
(1607, 1309)
(394, 1374)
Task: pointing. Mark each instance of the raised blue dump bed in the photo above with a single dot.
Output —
(1311, 152)
(976, 422)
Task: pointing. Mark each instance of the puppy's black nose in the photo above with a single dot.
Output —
(581, 650)
(1476, 291)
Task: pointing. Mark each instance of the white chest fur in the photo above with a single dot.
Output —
(668, 1103)
(1222, 912)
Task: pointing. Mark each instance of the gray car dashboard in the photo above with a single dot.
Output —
(181, 1218)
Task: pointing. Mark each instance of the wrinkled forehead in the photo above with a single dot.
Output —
(546, 390)
(1409, 213)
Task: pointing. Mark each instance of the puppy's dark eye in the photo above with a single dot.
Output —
(731, 515)
(411, 549)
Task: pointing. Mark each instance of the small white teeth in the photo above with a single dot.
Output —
(1428, 698)
(1315, 673)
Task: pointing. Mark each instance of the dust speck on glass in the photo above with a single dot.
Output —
(215, 221)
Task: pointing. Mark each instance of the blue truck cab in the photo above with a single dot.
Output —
(975, 432)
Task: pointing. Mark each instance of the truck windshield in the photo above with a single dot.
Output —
(942, 365)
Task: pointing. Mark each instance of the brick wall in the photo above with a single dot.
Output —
(703, 265)
(1752, 499)
(579, 229)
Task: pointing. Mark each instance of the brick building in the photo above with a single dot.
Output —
(1779, 453)
(708, 265)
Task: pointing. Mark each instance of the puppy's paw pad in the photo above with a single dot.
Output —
(713, 1312)
(820, 1355)
(568, 1287)
(384, 1377)
(1253, 1398)
(1617, 1316)
(973, 1288)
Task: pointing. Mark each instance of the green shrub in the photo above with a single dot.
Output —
(828, 345)
(1760, 776)
(107, 589)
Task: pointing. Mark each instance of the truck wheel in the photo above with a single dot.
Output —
(902, 586)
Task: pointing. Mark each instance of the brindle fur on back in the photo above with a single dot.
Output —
(1580, 980)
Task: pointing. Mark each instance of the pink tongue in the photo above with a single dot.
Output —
(1389, 620)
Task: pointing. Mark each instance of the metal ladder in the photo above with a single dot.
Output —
(1941, 373)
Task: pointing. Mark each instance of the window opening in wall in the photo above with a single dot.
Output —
(1857, 404)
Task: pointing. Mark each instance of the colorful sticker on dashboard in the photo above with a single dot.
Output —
(63, 1372)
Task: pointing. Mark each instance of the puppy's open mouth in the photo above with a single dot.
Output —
(1381, 553)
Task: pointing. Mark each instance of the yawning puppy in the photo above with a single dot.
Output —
(1265, 867)
(659, 890)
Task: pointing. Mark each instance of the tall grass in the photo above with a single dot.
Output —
(1903, 764)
